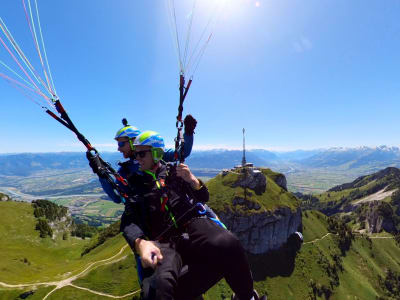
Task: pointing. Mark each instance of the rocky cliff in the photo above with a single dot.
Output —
(4, 197)
(264, 231)
(255, 205)
(378, 216)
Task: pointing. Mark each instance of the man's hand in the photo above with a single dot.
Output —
(190, 124)
(96, 164)
(184, 172)
(149, 253)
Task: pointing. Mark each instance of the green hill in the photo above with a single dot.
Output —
(224, 188)
(381, 186)
(332, 263)
(28, 259)
(321, 271)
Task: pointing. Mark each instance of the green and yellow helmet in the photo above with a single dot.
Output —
(128, 131)
(154, 140)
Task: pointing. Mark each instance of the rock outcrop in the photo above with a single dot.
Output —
(281, 181)
(4, 197)
(378, 217)
(255, 205)
(265, 231)
(252, 179)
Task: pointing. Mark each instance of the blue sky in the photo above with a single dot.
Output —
(295, 74)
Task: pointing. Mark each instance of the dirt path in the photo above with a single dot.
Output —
(371, 237)
(102, 294)
(68, 281)
(313, 241)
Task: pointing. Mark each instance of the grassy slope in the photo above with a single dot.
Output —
(362, 263)
(40, 293)
(359, 279)
(314, 225)
(119, 278)
(222, 193)
(46, 259)
(71, 293)
(388, 177)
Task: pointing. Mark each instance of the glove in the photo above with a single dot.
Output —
(190, 124)
(96, 164)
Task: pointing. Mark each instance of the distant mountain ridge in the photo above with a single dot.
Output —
(25, 164)
(372, 201)
(389, 176)
(373, 158)
(354, 157)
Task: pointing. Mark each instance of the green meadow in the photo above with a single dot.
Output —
(319, 270)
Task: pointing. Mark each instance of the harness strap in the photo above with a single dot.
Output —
(164, 198)
(179, 141)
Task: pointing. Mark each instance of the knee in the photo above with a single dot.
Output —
(226, 242)
(164, 286)
(129, 239)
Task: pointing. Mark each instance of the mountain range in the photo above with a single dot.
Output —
(345, 158)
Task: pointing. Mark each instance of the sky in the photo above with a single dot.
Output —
(296, 74)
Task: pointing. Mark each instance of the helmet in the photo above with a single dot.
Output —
(127, 131)
(153, 139)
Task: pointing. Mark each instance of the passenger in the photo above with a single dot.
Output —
(184, 253)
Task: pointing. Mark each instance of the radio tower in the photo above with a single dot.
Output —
(244, 152)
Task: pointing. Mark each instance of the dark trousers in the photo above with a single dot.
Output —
(210, 254)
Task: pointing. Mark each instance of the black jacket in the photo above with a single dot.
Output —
(151, 219)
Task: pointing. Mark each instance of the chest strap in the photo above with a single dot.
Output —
(164, 196)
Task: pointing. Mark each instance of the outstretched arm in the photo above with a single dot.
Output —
(109, 190)
(169, 153)
(190, 125)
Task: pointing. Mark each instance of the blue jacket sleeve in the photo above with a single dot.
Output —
(169, 153)
(109, 190)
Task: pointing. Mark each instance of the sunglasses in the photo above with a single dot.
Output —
(121, 144)
(141, 154)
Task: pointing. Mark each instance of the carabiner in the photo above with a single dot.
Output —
(201, 208)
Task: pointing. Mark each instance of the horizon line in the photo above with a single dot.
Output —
(220, 148)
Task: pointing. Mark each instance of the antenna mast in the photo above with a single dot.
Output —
(244, 151)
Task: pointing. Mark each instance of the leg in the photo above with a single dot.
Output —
(214, 253)
(163, 283)
(128, 230)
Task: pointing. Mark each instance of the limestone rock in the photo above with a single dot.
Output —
(252, 179)
(262, 232)
(378, 217)
(247, 204)
(281, 181)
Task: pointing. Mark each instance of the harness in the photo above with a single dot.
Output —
(164, 188)
(160, 183)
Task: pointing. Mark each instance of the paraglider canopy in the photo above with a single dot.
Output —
(192, 24)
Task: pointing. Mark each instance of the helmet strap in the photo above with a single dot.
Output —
(131, 144)
(157, 154)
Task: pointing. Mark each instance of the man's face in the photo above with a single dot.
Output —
(124, 147)
(144, 157)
